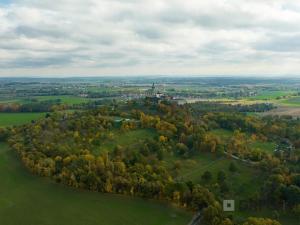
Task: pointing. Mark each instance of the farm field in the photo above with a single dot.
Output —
(284, 111)
(10, 119)
(271, 95)
(293, 101)
(65, 99)
(29, 200)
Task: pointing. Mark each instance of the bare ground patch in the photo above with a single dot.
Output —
(284, 111)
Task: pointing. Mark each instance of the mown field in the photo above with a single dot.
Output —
(10, 119)
(29, 200)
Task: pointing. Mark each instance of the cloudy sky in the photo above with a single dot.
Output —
(149, 37)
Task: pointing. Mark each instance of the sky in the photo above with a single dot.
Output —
(149, 37)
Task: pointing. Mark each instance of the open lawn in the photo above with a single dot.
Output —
(10, 119)
(242, 184)
(29, 200)
(266, 146)
(126, 138)
(285, 218)
(223, 134)
(245, 177)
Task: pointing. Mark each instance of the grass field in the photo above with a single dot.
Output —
(294, 101)
(29, 200)
(126, 138)
(270, 95)
(242, 184)
(266, 146)
(10, 119)
(245, 177)
(65, 99)
(285, 218)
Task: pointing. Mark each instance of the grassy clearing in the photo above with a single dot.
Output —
(10, 119)
(29, 200)
(126, 138)
(284, 218)
(265, 146)
(225, 135)
(245, 177)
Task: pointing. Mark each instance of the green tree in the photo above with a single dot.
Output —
(207, 176)
(232, 167)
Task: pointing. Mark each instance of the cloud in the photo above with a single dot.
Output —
(149, 36)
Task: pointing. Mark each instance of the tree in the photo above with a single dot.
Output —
(224, 187)
(221, 177)
(296, 210)
(162, 139)
(260, 221)
(182, 149)
(292, 194)
(227, 221)
(207, 176)
(232, 167)
(212, 215)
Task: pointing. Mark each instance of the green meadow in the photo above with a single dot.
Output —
(271, 95)
(126, 138)
(266, 146)
(10, 119)
(26, 199)
(246, 176)
(29, 200)
(293, 101)
(65, 99)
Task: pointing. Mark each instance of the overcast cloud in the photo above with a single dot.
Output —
(160, 37)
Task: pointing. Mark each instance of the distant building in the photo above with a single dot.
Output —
(155, 95)
(151, 92)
